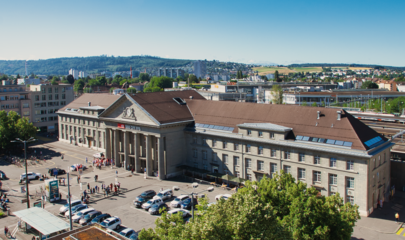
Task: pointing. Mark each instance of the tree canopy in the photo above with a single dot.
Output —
(159, 83)
(277, 92)
(369, 85)
(13, 126)
(277, 208)
(70, 79)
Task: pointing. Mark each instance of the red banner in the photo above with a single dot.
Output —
(120, 125)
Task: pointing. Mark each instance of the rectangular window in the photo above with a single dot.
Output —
(26, 113)
(350, 199)
(236, 161)
(214, 157)
(56, 96)
(56, 90)
(317, 160)
(273, 169)
(214, 143)
(63, 96)
(271, 135)
(204, 155)
(287, 169)
(237, 174)
(63, 89)
(204, 142)
(332, 162)
(301, 173)
(260, 150)
(249, 176)
(286, 155)
(248, 163)
(249, 132)
(43, 97)
(350, 165)
(236, 147)
(26, 105)
(260, 134)
(50, 96)
(350, 182)
(301, 157)
(225, 158)
(260, 166)
(49, 90)
(273, 152)
(43, 90)
(194, 140)
(317, 176)
(36, 97)
(333, 179)
(248, 148)
(224, 145)
(195, 153)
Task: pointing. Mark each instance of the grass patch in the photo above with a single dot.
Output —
(308, 69)
(268, 70)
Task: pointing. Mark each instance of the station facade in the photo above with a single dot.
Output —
(159, 132)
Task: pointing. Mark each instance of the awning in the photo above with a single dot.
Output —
(227, 177)
(193, 169)
(238, 180)
(42, 220)
(218, 175)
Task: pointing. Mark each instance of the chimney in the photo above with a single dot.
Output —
(191, 97)
(318, 114)
(339, 113)
(89, 104)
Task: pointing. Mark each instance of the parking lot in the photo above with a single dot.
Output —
(120, 206)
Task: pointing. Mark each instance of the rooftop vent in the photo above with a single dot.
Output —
(318, 114)
(191, 97)
(339, 115)
(179, 101)
(89, 104)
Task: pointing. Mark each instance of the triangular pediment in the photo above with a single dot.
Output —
(127, 110)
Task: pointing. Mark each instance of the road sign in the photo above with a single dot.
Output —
(38, 204)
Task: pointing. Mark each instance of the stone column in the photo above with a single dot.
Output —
(107, 144)
(116, 146)
(136, 153)
(126, 150)
(97, 138)
(148, 155)
(161, 161)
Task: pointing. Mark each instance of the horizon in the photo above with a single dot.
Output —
(259, 32)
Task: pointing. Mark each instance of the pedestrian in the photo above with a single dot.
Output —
(19, 224)
(104, 192)
(60, 196)
(88, 186)
(381, 203)
(396, 217)
(132, 171)
(94, 190)
(5, 231)
(86, 159)
(119, 185)
(77, 179)
(82, 198)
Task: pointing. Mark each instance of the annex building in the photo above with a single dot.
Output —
(326, 148)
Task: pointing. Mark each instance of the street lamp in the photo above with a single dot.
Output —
(195, 185)
(31, 139)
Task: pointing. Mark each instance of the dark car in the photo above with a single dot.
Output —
(100, 218)
(147, 194)
(89, 217)
(3, 175)
(60, 171)
(139, 201)
(156, 208)
(187, 204)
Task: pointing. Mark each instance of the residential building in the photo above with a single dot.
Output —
(82, 74)
(16, 98)
(390, 85)
(28, 81)
(74, 73)
(200, 69)
(170, 72)
(163, 132)
(46, 100)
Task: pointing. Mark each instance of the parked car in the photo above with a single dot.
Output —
(100, 218)
(223, 196)
(178, 201)
(3, 175)
(165, 194)
(111, 223)
(31, 176)
(149, 203)
(184, 213)
(77, 166)
(147, 194)
(157, 208)
(134, 236)
(186, 204)
(79, 215)
(63, 209)
(76, 209)
(89, 217)
(60, 171)
(127, 232)
(138, 203)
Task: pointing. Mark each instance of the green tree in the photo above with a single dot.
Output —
(161, 82)
(87, 90)
(53, 82)
(304, 103)
(131, 90)
(102, 81)
(369, 85)
(144, 77)
(70, 79)
(78, 85)
(193, 78)
(12, 126)
(276, 77)
(314, 104)
(277, 93)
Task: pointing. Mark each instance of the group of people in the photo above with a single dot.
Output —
(99, 162)
(106, 189)
(3, 201)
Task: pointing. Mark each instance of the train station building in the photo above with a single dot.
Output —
(162, 132)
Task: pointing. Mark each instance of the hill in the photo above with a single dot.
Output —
(61, 66)
(285, 70)
(344, 65)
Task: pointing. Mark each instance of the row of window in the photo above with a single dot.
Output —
(301, 158)
(317, 177)
(43, 90)
(13, 97)
(11, 89)
(49, 104)
(10, 106)
(50, 97)
(46, 119)
(42, 112)
(80, 121)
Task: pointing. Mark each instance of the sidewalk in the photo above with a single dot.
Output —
(383, 220)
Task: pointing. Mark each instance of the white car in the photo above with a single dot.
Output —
(31, 176)
(127, 232)
(63, 209)
(165, 194)
(184, 213)
(111, 223)
(176, 203)
(76, 209)
(223, 196)
(79, 215)
(149, 203)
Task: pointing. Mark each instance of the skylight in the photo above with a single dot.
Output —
(215, 127)
(179, 101)
(323, 140)
(374, 142)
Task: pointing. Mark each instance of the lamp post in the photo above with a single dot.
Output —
(31, 139)
(195, 185)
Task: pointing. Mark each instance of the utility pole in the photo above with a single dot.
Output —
(70, 204)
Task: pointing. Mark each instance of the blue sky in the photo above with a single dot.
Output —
(282, 32)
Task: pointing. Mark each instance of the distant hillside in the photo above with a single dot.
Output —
(344, 65)
(61, 66)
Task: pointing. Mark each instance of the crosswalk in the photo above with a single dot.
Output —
(401, 232)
